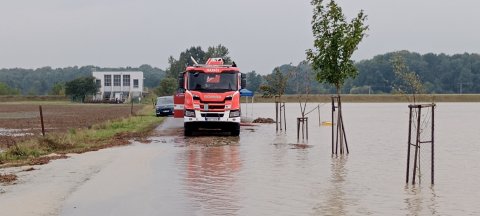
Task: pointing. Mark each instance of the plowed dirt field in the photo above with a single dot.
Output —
(19, 121)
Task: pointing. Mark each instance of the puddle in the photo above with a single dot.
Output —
(14, 132)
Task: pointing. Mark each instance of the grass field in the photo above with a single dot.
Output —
(69, 128)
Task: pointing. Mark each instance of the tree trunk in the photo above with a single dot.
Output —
(340, 119)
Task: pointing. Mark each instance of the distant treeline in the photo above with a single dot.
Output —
(440, 73)
(41, 81)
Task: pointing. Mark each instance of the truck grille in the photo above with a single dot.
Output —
(211, 106)
(212, 115)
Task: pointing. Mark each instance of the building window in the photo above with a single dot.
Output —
(108, 80)
(106, 95)
(135, 83)
(98, 83)
(116, 80)
(126, 80)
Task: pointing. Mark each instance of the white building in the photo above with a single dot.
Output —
(118, 85)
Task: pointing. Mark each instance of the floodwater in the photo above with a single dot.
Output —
(264, 172)
(14, 132)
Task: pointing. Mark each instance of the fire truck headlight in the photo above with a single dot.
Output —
(234, 113)
(189, 113)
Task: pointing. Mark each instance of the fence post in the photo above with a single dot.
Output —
(41, 120)
(433, 143)
(131, 109)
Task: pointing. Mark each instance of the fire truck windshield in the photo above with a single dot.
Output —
(212, 82)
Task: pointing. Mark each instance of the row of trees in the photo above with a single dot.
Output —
(7, 90)
(440, 73)
(47, 80)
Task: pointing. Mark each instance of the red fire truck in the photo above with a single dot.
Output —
(209, 97)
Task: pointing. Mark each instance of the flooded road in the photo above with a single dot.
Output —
(263, 172)
(266, 173)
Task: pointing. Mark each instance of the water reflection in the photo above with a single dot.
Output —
(210, 179)
(271, 173)
(335, 203)
(280, 151)
(420, 202)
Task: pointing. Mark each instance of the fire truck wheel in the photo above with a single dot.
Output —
(235, 131)
(188, 131)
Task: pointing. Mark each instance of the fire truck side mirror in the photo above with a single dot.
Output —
(243, 83)
(181, 81)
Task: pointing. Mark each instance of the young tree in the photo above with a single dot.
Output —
(168, 86)
(219, 51)
(335, 40)
(58, 89)
(276, 83)
(6, 90)
(407, 82)
(79, 88)
(254, 81)
(177, 66)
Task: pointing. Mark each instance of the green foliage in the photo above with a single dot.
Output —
(79, 88)
(276, 83)
(440, 73)
(168, 86)
(254, 81)
(41, 81)
(152, 75)
(219, 51)
(6, 90)
(58, 89)
(177, 66)
(407, 82)
(301, 79)
(18, 151)
(335, 41)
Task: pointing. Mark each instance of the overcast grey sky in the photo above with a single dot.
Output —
(260, 34)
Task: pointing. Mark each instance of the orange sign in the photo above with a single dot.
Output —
(213, 79)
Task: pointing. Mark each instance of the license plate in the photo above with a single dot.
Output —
(165, 111)
(212, 119)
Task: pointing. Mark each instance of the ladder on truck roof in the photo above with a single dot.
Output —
(212, 62)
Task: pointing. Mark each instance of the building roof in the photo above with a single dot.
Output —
(112, 72)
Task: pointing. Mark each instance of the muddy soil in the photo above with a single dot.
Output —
(7, 178)
(264, 120)
(25, 118)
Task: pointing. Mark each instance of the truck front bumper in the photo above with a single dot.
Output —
(212, 118)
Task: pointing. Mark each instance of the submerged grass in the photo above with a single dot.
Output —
(77, 140)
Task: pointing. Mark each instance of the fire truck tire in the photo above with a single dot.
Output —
(188, 131)
(235, 130)
(235, 133)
